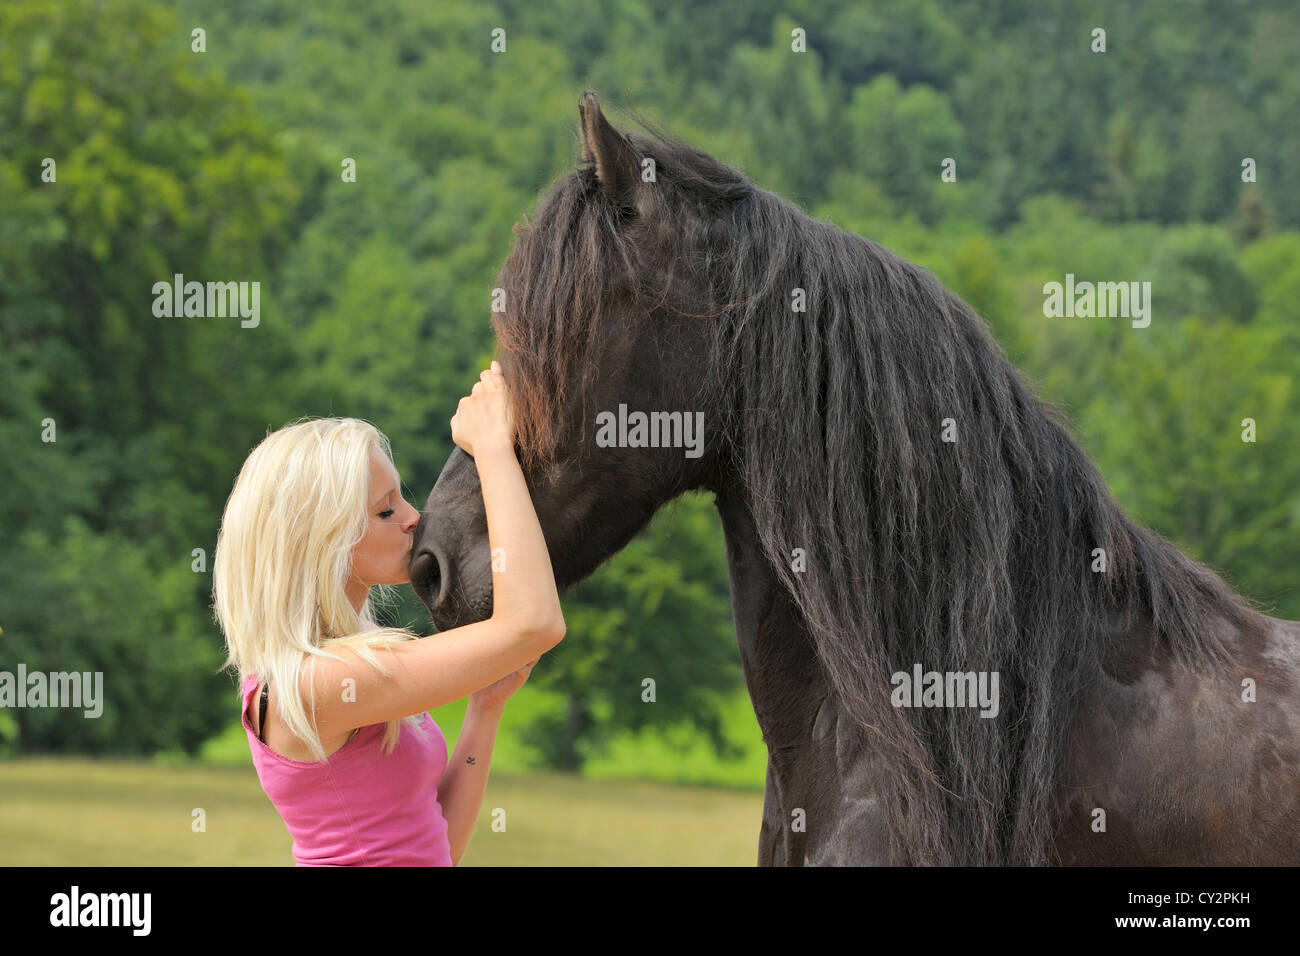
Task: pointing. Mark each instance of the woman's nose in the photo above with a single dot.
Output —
(412, 518)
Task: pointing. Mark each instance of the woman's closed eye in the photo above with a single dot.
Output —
(385, 514)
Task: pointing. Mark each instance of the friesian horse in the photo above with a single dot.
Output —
(896, 501)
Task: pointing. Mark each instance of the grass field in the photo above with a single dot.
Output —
(659, 798)
(72, 812)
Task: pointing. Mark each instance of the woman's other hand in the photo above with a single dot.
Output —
(492, 698)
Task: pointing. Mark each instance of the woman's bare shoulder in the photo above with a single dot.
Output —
(281, 740)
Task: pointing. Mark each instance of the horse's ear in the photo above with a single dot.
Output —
(609, 152)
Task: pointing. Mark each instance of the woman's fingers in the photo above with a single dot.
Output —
(481, 410)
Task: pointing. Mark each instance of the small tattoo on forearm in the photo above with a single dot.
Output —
(469, 759)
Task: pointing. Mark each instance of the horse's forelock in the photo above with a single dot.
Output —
(558, 278)
(552, 280)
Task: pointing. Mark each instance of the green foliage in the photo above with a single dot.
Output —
(95, 603)
(157, 171)
(1168, 433)
(900, 138)
(226, 165)
(659, 611)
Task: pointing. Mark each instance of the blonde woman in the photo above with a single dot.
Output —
(341, 740)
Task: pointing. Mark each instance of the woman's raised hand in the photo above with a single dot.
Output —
(483, 420)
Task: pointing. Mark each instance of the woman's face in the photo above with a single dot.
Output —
(383, 555)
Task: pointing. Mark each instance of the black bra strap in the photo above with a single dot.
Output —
(261, 720)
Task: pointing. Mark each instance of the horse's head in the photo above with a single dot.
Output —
(607, 343)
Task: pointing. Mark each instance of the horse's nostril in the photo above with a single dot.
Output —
(426, 578)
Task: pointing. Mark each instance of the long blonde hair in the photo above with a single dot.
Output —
(283, 557)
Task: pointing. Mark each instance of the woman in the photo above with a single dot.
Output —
(343, 746)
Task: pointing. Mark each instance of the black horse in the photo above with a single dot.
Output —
(896, 502)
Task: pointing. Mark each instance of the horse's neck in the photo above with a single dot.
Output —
(780, 666)
(785, 680)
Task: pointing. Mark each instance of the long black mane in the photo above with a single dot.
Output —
(967, 555)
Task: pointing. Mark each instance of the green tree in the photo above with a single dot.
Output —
(155, 170)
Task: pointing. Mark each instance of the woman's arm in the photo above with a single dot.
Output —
(528, 594)
(526, 616)
(465, 780)
(527, 590)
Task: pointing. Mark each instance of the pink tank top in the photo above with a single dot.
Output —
(361, 807)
